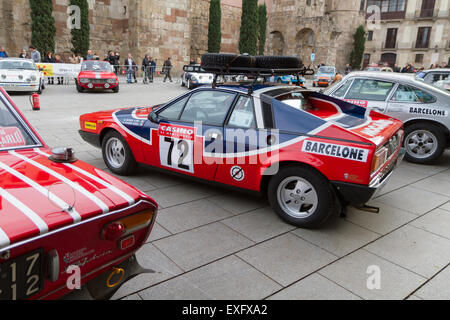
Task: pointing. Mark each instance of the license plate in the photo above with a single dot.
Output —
(22, 277)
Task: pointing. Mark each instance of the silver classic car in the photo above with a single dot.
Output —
(424, 109)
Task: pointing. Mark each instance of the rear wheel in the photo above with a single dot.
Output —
(117, 154)
(424, 143)
(301, 196)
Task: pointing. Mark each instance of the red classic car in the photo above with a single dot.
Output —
(61, 218)
(306, 151)
(97, 75)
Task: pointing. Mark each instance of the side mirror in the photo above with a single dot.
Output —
(153, 117)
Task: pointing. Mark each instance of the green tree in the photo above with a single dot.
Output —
(359, 44)
(43, 28)
(214, 28)
(262, 22)
(248, 42)
(81, 36)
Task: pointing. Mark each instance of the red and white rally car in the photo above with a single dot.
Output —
(97, 75)
(61, 218)
(306, 151)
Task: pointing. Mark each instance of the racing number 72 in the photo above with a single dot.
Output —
(183, 147)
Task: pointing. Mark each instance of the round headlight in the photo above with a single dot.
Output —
(3, 76)
(33, 78)
(20, 77)
(84, 80)
(111, 81)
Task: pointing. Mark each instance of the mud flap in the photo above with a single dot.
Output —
(106, 285)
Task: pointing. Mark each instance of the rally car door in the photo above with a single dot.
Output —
(191, 128)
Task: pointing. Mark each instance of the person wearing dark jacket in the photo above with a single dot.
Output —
(146, 67)
(167, 68)
(49, 59)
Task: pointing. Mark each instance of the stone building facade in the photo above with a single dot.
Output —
(179, 28)
(414, 31)
(323, 27)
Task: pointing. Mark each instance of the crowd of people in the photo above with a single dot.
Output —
(129, 66)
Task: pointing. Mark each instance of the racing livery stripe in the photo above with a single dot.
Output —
(75, 186)
(268, 149)
(61, 203)
(128, 131)
(4, 239)
(116, 190)
(42, 226)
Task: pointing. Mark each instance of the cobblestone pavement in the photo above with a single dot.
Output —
(209, 243)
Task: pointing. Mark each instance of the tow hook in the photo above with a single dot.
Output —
(369, 209)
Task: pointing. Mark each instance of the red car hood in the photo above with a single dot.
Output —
(97, 75)
(38, 195)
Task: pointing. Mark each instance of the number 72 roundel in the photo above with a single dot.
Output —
(176, 147)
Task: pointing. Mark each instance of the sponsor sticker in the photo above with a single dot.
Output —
(90, 125)
(237, 173)
(176, 147)
(336, 151)
(361, 103)
(177, 132)
(375, 127)
(428, 111)
(11, 137)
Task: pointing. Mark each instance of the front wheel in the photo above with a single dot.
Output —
(301, 196)
(116, 89)
(424, 143)
(117, 154)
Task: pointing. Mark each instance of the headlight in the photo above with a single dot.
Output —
(379, 159)
(193, 77)
(84, 80)
(3, 76)
(111, 81)
(33, 78)
(20, 77)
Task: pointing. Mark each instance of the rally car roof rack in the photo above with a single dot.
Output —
(221, 64)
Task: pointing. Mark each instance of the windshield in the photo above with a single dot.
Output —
(13, 132)
(17, 65)
(97, 66)
(326, 70)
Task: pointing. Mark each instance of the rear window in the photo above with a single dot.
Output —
(296, 100)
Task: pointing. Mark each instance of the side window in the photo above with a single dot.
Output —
(211, 107)
(343, 89)
(173, 112)
(243, 115)
(368, 89)
(410, 94)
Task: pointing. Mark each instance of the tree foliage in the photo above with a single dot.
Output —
(214, 28)
(43, 30)
(359, 44)
(81, 36)
(262, 23)
(248, 42)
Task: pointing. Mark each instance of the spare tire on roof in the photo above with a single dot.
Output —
(222, 61)
(278, 62)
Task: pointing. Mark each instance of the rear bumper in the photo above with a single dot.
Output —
(358, 195)
(91, 138)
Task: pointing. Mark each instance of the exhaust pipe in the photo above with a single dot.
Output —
(369, 209)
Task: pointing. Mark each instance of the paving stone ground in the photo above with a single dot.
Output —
(211, 243)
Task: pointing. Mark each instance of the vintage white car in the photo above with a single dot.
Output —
(20, 75)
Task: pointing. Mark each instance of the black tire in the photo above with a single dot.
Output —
(189, 84)
(182, 82)
(221, 61)
(129, 165)
(435, 134)
(278, 62)
(79, 88)
(116, 89)
(326, 200)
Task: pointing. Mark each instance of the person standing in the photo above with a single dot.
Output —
(35, 54)
(347, 69)
(146, 67)
(49, 59)
(59, 60)
(3, 53)
(23, 54)
(167, 68)
(117, 63)
(89, 55)
(396, 68)
(130, 67)
(153, 63)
